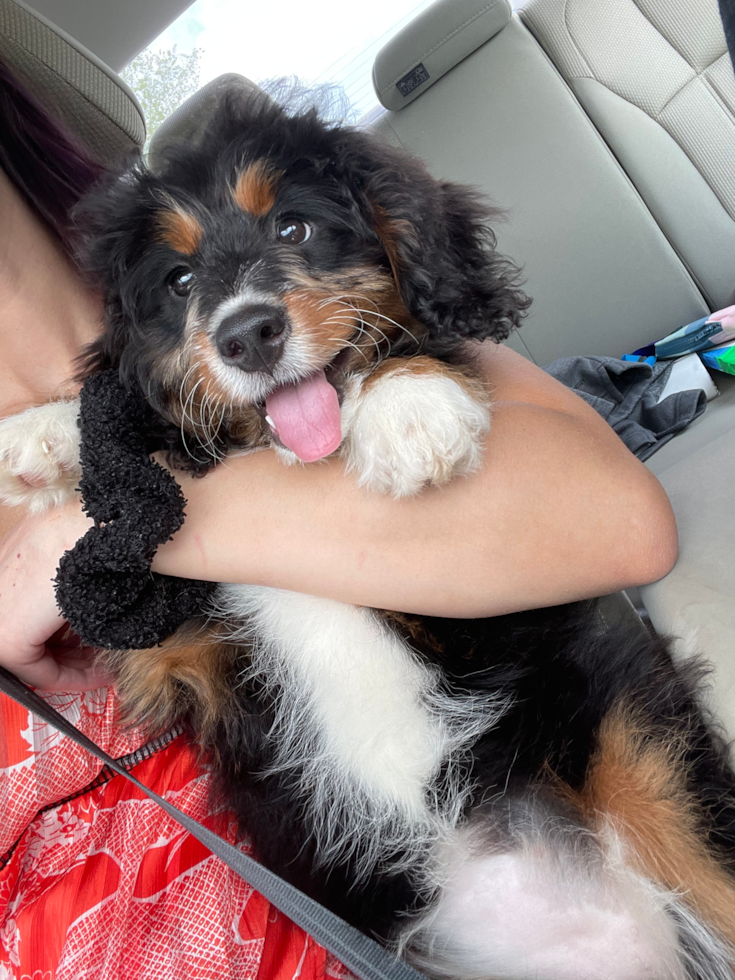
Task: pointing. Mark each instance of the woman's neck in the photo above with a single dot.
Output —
(47, 314)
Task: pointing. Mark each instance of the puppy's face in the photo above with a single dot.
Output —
(265, 281)
(267, 264)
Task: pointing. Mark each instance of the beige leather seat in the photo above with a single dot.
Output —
(656, 79)
(606, 128)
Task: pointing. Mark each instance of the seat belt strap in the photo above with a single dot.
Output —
(360, 954)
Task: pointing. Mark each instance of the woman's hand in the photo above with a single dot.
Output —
(36, 643)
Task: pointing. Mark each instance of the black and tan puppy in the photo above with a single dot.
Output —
(527, 796)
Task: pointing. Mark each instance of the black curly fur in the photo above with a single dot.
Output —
(104, 585)
(563, 672)
(433, 235)
(382, 204)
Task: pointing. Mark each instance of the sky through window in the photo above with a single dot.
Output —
(319, 41)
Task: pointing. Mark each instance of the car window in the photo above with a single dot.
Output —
(324, 41)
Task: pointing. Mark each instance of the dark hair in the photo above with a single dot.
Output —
(46, 164)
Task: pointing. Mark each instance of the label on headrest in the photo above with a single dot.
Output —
(417, 76)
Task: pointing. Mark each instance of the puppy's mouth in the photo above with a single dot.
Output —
(306, 416)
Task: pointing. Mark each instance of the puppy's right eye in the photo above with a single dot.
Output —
(293, 232)
(180, 281)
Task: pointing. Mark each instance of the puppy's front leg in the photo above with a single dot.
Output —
(414, 422)
(39, 456)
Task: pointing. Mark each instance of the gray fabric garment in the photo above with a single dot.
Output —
(625, 395)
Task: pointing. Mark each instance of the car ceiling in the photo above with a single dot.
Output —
(114, 30)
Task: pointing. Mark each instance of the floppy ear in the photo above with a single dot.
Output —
(443, 252)
(112, 225)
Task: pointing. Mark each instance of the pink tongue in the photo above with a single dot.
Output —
(307, 417)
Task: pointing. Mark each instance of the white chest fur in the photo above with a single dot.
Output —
(364, 722)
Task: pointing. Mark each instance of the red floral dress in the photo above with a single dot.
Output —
(98, 883)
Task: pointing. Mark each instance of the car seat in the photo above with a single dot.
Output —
(606, 129)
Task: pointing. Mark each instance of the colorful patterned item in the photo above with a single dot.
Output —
(639, 358)
(96, 881)
(704, 334)
(721, 358)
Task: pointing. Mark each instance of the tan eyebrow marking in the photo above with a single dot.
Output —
(180, 230)
(255, 188)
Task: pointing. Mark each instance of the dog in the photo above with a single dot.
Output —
(531, 795)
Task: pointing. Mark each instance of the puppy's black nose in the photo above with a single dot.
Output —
(252, 338)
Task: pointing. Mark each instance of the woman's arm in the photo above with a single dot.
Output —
(560, 510)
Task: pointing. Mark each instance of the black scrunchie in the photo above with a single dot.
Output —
(104, 585)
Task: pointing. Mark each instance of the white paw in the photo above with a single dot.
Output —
(39, 456)
(407, 430)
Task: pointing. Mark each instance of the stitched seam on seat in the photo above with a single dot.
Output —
(681, 89)
(574, 41)
(721, 105)
(393, 130)
(654, 118)
(672, 135)
(699, 286)
(91, 104)
(672, 45)
(580, 52)
(658, 123)
(696, 289)
(713, 85)
(658, 30)
(484, 10)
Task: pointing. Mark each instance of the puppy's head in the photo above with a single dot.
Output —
(261, 266)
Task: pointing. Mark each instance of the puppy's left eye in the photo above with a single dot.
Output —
(180, 281)
(292, 231)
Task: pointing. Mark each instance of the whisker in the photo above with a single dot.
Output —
(209, 418)
(366, 298)
(204, 424)
(337, 298)
(382, 316)
(349, 343)
(186, 414)
(374, 326)
(364, 333)
(336, 319)
(184, 402)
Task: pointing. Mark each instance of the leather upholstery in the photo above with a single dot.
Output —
(606, 128)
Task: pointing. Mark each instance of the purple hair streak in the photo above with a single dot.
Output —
(48, 166)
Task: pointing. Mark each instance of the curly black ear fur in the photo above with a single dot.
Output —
(441, 248)
(435, 234)
(112, 226)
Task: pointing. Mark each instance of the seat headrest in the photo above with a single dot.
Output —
(188, 123)
(74, 87)
(435, 41)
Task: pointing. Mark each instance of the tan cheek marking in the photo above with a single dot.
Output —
(324, 323)
(321, 313)
(255, 188)
(180, 230)
(639, 784)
